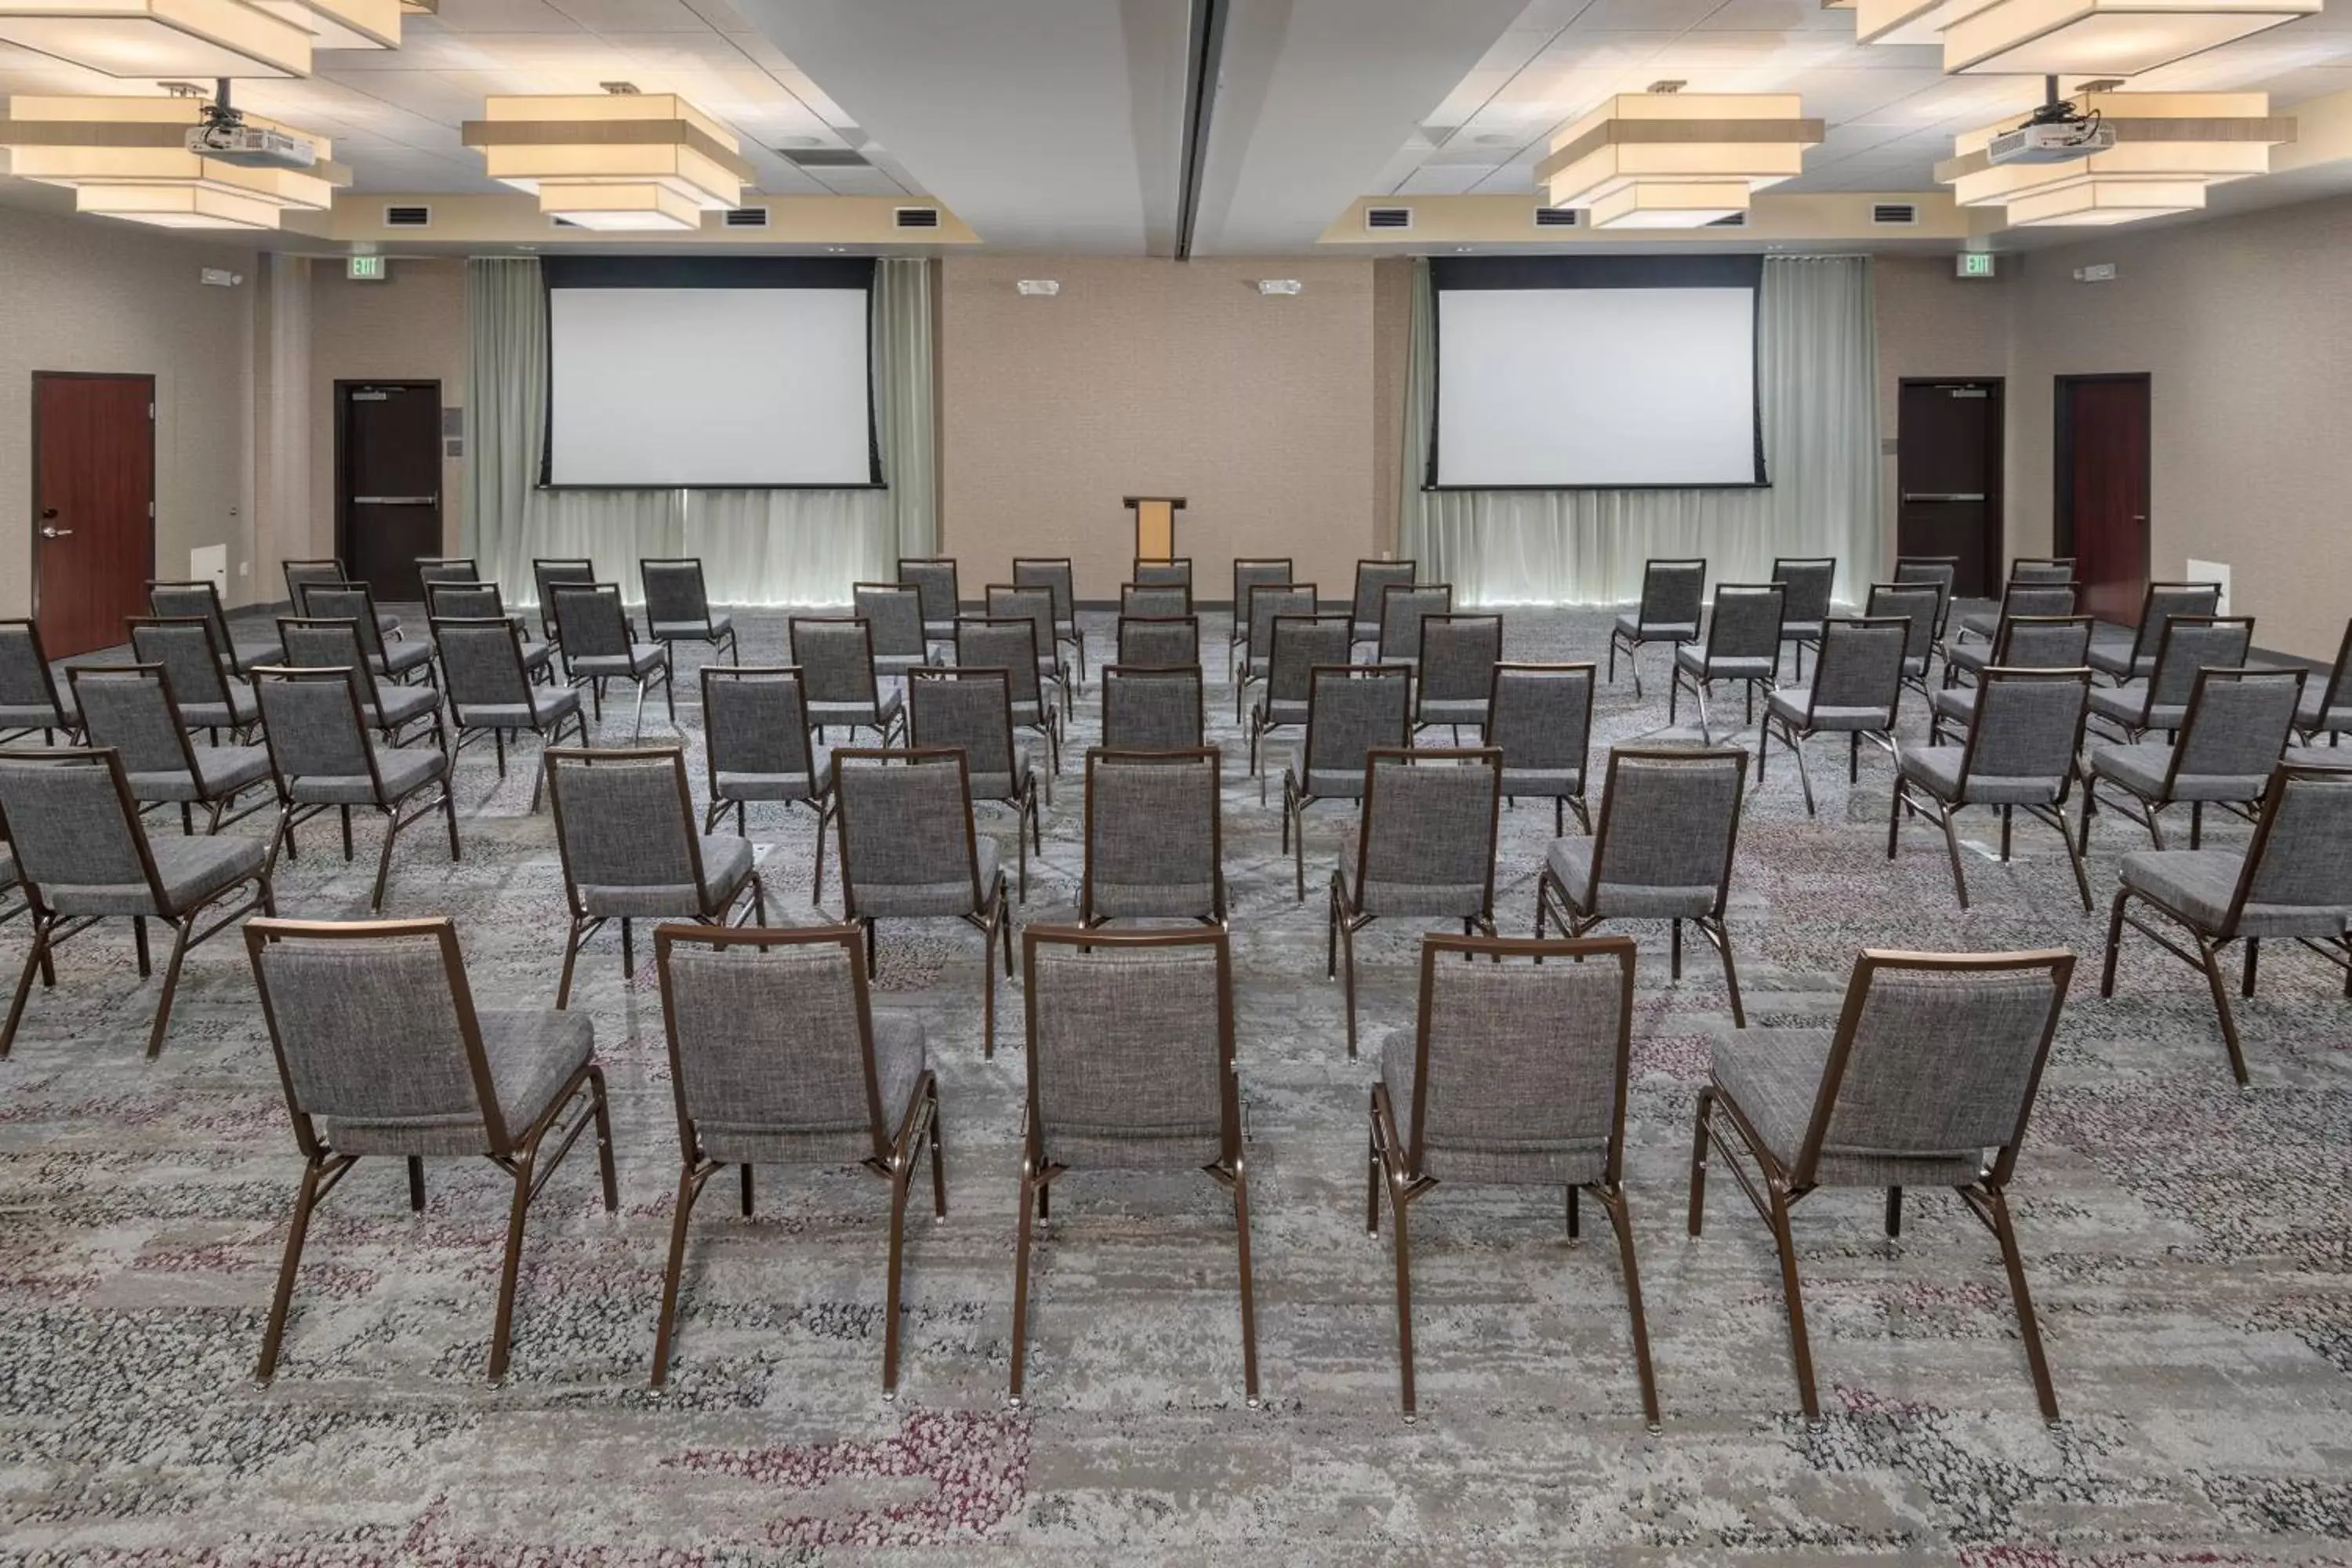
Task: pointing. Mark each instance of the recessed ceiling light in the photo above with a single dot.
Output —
(623, 161)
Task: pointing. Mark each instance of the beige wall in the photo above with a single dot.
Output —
(1150, 377)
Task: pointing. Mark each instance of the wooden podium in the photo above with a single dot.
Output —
(1155, 526)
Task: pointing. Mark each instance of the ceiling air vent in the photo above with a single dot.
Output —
(407, 217)
(1728, 220)
(747, 217)
(1557, 218)
(1901, 213)
(1388, 218)
(915, 217)
(825, 158)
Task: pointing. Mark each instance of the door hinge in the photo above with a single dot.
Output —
(150, 410)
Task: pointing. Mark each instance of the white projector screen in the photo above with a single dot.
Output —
(1596, 385)
(705, 384)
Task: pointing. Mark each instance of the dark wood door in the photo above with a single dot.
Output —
(93, 506)
(1947, 478)
(2102, 490)
(388, 477)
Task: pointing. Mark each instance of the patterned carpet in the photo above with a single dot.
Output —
(2190, 1245)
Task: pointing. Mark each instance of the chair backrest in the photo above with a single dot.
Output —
(1402, 607)
(835, 654)
(623, 819)
(2237, 724)
(1300, 643)
(186, 601)
(1034, 603)
(1746, 623)
(548, 570)
(1539, 716)
(589, 620)
(463, 599)
(1150, 599)
(1670, 819)
(2166, 600)
(755, 720)
(2042, 568)
(2301, 857)
(345, 602)
(432, 569)
(313, 644)
(905, 822)
(1373, 581)
(1176, 574)
(2336, 693)
(1805, 586)
(965, 709)
(25, 677)
(771, 1031)
(1672, 592)
(301, 574)
(2033, 598)
(2041, 642)
(1861, 666)
(894, 613)
(1936, 1056)
(1130, 1046)
(933, 577)
(481, 663)
(1249, 571)
(1350, 710)
(1528, 1046)
(1006, 644)
(1154, 835)
(1458, 654)
(673, 592)
(1942, 570)
(312, 721)
(128, 707)
(1053, 573)
(189, 655)
(1151, 710)
(2192, 643)
(1268, 600)
(73, 827)
(1163, 642)
(1427, 844)
(2027, 725)
(1921, 605)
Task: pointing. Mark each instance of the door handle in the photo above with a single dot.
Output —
(2139, 517)
(397, 500)
(1940, 495)
(47, 532)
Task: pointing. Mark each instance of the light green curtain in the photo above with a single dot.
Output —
(757, 547)
(1817, 372)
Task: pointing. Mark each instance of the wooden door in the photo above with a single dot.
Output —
(1947, 479)
(388, 480)
(2102, 490)
(93, 506)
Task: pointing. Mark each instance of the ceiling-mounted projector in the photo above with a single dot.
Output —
(223, 135)
(2051, 141)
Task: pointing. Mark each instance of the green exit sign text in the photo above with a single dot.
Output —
(1974, 264)
(366, 269)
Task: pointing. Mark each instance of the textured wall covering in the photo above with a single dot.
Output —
(412, 327)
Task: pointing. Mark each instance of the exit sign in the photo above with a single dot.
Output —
(366, 269)
(1969, 264)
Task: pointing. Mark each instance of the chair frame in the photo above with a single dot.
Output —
(1633, 641)
(820, 798)
(69, 728)
(1574, 800)
(595, 683)
(2146, 810)
(1793, 735)
(1193, 754)
(2052, 815)
(1704, 676)
(1024, 798)
(215, 805)
(718, 637)
(1296, 796)
(468, 734)
(1421, 682)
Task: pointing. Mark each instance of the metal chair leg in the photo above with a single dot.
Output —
(2028, 1327)
(1621, 1219)
(1249, 1288)
(900, 1179)
(510, 1266)
(272, 1337)
(1029, 1192)
(1698, 1159)
(1799, 1347)
(182, 930)
(690, 1187)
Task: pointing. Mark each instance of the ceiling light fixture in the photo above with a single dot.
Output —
(624, 160)
(342, 24)
(2068, 37)
(2169, 147)
(161, 37)
(1675, 160)
(128, 158)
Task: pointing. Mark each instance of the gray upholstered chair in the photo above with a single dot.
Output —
(1942, 571)
(1516, 1074)
(1036, 604)
(1541, 715)
(1151, 710)
(1350, 710)
(1743, 644)
(396, 660)
(1425, 850)
(390, 708)
(1663, 850)
(82, 858)
(128, 707)
(1298, 644)
(2039, 601)
(1674, 593)
(2020, 755)
(1403, 607)
(2234, 733)
(546, 573)
(1159, 642)
(970, 709)
(324, 759)
(2137, 709)
(2326, 709)
(910, 851)
(1806, 584)
(303, 575)
(486, 672)
(1458, 654)
(893, 614)
(1928, 1082)
(483, 602)
(2026, 572)
(2134, 657)
(600, 645)
(2020, 642)
(1055, 575)
(201, 600)
(1373, 581)
(1010, 643)
(1249, 572)
(1269, 602)
(1130, 1045)
(2293, 882)
(1175, 574)
(1154, 837)
(1918, 604)
(625, 828)
(933, 578)
(30, 697)
(1151, 600)
(208, 699)
(678, 607)
(778, 1058)
(381, 1051)
(1856, 691)
(2042, 568)
(755, 747)
(433, 569)
(841, 681)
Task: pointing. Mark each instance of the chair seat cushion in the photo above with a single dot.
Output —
(1334, 784)
(2307, 713)
(1542, 782)
(241, 709)
(1454, 710)
(2143, 769)
(37, 716)
(2199, 884)
(1382, 898)
(1938, 770)
(877, 901)
(533, 1054)
(1363, 631)
(1775, 1076)
(1629, 623)
(1482, 1161)
(246, 652)
(719, 623)
(939, 631)
(1801, 631)
(1953, 702)
(1970, 657)
(726, 867)
(536, 654)
(400, 657)
(1275, 711)
(191, 870)
(1003, 786)
(547, 705)
(2112, 655)
(883, 710)
(386, 623)
(1153, 900)
(899, 1060)
(398, 705)
(1981, 623)
(1789, 702)
(1694, 660)
(220, 771)
(642, 659)
(403, 769)
(1570, 860)
(2128, 705)
(762, 786)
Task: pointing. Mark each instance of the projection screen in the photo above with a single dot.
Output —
(734, 373)
(1597, 372)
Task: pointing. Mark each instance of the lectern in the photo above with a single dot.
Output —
(1155, 526)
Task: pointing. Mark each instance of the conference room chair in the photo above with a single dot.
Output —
(1132, 1068)
(324, 759)
(1403, 607)
(302, 576)
(1425, 851)
(678, 607)
(401, 660)
(2020, 754)
(1373, 581)
(600, 643)
(1154, 599)
(128, 708)
(1673, 594)
(1011, 645)
(1351, 710)
(1458, 654)
(1175, 574)
(1152, 709)
(778, 1057)
(1036, 605)
(1267, 603)
(1159, 642)
(1055, 575)
(2042, 568)
(82, 857)
(433, 569)
(30, 697)
(2020, 642)
(1154, 835)
(2159, 703)
(2019, 601)
(1250, 572)
(1298, 645)
(2134, 658)
(1929, 1081)
(1663, 850)
(482, 601)
(1514, 1074)
(208, 699)
(1743, 644)
(1916, 605)
(755, 748)
(201, 599)
(970, 709)
(1806, 583)
(910, 851)
(2230, 741)
(1942, 570)
(2326, 709)
(893, 612)
(2293, 882)
(546, 572)
(1857, 691)
(1540, 716)
(390, 710)
(2030, 571)
(382, 1052)
(933, 578)
(841, 681)
(487, 671)
(624, 830)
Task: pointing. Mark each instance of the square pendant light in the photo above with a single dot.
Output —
(159, 39)
(2104, 38)
(126, 157)
(621, 161)
(2169, 148)
(1909, 21)
(1672, 160)
(340, 24)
